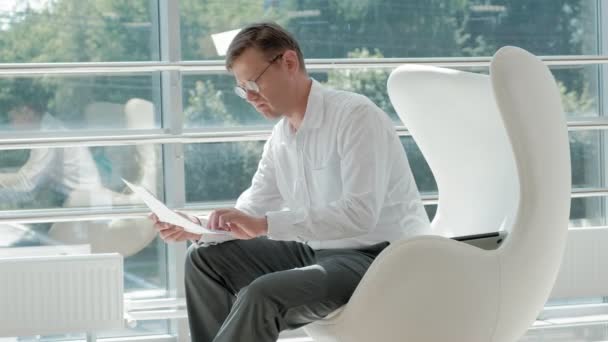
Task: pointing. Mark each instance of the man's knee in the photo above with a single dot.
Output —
(200, 259)
(261, 290)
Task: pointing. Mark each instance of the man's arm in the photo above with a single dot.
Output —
(364, 146)
(247, 220)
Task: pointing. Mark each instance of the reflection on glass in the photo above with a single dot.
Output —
(77, 176)
(76, 103)
(57, 184)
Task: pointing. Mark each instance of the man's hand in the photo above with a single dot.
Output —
(172, 233)
(239, 224)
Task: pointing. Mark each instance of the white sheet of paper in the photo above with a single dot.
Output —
(167, 215)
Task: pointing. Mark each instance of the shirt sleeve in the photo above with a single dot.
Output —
(364, 146)
(263, 195)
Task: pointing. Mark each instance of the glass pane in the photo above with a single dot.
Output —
(585, 159)
(431, 210)
(581, 330)
(220, 171)
(77, 177)
(399, 28)
(61, 103)
(79, 31)
(420, 169)
(209, 101)
(579, 89)
(587, 212)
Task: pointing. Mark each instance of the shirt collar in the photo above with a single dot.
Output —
(313, 117)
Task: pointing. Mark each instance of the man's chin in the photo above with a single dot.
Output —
(268, 114)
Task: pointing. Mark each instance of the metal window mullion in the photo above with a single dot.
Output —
(70, 215)
(602, 27)
(158, 136)
(217, 66)
(173, 153)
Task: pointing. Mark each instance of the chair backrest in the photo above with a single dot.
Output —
(529, 101)
(510, 158)
(453, 118)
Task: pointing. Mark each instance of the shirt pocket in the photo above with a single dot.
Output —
(326, 183)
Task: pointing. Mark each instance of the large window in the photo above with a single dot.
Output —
(95, 91)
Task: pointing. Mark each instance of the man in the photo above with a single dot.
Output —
(332, 189)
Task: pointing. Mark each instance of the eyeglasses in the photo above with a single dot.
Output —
(252, 86)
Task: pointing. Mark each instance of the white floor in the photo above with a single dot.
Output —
(579, 329)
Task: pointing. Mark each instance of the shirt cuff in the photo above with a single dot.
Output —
(210, 240)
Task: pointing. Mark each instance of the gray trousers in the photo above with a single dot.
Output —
(250, 290)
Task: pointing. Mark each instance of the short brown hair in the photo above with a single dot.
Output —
(268, 37)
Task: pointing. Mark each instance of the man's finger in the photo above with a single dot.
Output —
(167, 234)
(159, 226)
(210, 219)
(226, 218)
(214, 221)
(153, 217)
(176, 235)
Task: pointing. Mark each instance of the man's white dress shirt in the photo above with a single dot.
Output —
(342, 180)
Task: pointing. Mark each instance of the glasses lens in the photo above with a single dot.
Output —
(252, 86)
(249, 86)
(240, 92)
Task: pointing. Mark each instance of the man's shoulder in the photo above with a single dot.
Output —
(341, 98)
(349, 106)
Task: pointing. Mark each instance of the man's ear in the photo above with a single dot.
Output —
(291, 60)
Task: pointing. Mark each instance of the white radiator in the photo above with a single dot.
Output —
(60, 294)
(584, 269)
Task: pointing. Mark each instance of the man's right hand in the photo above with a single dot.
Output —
(172, 233)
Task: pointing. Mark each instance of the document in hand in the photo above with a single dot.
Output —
(167, 215)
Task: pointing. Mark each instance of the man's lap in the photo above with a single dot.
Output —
(304, 283)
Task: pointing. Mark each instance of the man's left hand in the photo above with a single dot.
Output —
(239, 224)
